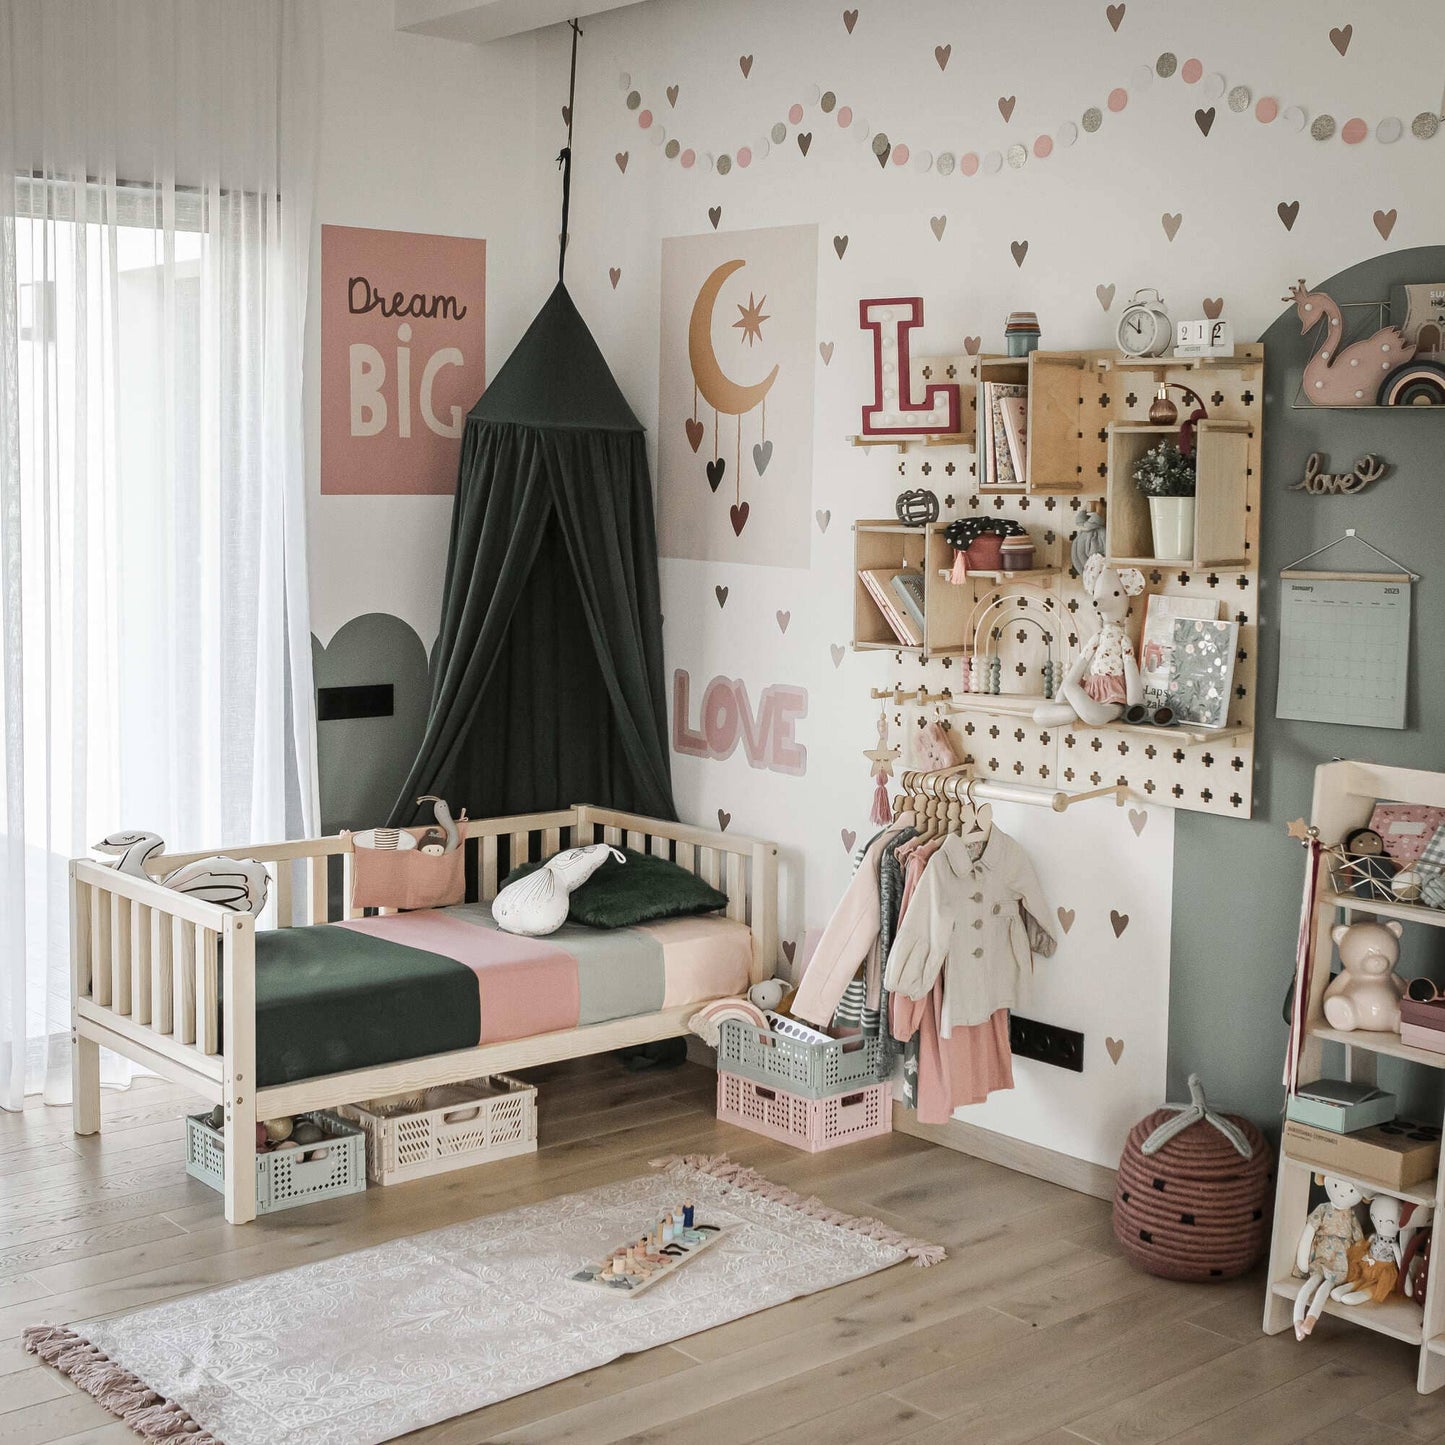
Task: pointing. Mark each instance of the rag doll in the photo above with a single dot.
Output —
(1375, 1262)
(1323, 1253)
(1104, 678)
(1415, 1265)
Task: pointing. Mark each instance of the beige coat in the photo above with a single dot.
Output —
(981, 923)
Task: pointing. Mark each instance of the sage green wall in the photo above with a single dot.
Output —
(1237, 885)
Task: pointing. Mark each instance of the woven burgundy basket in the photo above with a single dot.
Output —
(1196, 1209)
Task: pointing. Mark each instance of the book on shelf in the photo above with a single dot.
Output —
(908, 588)
(998, 462)
(879, 583)
(1201, 670)
(1156, 639)
(1015, 411)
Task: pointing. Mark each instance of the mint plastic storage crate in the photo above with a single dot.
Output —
(811, 1124)
(285, 1177)
(798, 1058)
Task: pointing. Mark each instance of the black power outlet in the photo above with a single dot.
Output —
(1048, 1043)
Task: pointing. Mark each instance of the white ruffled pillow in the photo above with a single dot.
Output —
(537, 904)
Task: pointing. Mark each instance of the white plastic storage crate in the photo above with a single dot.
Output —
(430, 1131)
(811, 1124)
(285, 1177)
(798, 1058)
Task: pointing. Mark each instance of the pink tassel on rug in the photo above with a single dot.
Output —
(739, 1176)
(112, 1386)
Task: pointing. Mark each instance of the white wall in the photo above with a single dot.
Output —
(1091, 215)
(426, 135)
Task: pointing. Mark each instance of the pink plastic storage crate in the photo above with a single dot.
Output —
(811, 1124)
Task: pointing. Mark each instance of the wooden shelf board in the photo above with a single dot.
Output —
(1379, 1043)
(1437, 1345)
(911, 650)
(898, 527)
(1422, 1193)
(1181, 363)
(1179, 564)
(1002, 574)
(1400, 1318)
(1405, 912)
(935, 439)
(1023, 704)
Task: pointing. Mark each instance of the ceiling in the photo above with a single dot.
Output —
(478, 21)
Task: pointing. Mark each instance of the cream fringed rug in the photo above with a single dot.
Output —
(368, 1346)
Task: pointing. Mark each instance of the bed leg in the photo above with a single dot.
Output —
(240, 1154)
(84, 1084)
(239, 1072)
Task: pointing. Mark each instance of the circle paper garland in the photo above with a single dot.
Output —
(1354, 131)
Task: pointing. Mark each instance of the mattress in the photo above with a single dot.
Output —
(339, 996)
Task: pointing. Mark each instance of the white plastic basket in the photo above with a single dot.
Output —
(285, 1177)
(431, 1131)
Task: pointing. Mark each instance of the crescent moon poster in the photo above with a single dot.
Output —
(735, 409)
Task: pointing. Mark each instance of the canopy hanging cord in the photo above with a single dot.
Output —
(564, 161)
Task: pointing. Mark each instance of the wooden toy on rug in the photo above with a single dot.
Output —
(676, 1237)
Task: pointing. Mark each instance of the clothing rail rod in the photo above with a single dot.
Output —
(950, 783)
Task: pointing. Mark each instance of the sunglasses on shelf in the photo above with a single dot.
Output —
(1424, 990)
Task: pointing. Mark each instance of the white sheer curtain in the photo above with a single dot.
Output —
(156, 179)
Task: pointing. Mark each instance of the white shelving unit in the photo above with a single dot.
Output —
(1344, 797)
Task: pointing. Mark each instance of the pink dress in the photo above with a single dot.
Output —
(965, 1067)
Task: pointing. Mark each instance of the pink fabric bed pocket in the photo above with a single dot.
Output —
(390, 878)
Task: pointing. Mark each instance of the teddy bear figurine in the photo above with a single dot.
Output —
(1366, 994)
(1104, 678)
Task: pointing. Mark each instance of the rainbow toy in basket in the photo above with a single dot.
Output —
(671, 1241)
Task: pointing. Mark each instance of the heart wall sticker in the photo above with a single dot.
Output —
(850, 19)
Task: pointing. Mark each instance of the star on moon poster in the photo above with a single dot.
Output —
(735, 411)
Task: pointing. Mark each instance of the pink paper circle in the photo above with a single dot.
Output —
(1354, 131)
(1191, 71)
(1266, 110)
(1118, 98)
(900, 154)
(688, 158)
(745, 156)
(795, 113)
(1044, 147)
(968, 164)
(644, 118)
(845, 116)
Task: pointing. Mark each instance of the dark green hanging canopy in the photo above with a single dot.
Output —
(547, 676)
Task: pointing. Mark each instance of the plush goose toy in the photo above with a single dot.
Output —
(537, 904)
(234, 883)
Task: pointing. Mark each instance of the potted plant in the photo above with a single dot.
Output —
(1166, 476)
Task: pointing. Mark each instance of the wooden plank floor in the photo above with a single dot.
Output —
(1035, 1329)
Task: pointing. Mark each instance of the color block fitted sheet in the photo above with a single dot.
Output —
(370, 991)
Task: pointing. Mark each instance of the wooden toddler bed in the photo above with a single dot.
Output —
(172, 982)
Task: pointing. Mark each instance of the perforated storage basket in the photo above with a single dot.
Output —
(430, 1131)
(284, 1177)
(811, 1124)
(797, 1058)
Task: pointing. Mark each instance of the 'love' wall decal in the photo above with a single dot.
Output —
(726, 718)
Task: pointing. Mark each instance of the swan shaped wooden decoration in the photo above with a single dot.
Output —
(235, 883)
(1340, 374)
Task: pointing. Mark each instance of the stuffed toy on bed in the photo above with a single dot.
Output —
(537, 903)
(235, 883)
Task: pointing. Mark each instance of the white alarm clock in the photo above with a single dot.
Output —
(1145, 328)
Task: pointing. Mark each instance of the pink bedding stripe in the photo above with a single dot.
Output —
(527, 985)
(706, 957)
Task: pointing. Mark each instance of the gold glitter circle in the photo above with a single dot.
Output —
(881, 145)
(828, 101)
(1323, 127)
(1092, 119)
(633, 100)
(1018, 156)
(671, 149)
(945, 163)
(1166, 65)
(779, 133)
(1425, 125)
(724, 164)
(1240, 98)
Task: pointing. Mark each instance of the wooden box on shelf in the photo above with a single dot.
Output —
(885, 547)
(1221, 494)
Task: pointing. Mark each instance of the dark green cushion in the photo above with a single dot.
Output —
(641, 890)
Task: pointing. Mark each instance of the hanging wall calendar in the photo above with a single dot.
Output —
(1344, 653)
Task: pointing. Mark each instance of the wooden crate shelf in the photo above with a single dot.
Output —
(882, 545)
(1397, 1317)
(1422, 1193)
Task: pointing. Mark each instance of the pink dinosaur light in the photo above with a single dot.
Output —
(1340, 375)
